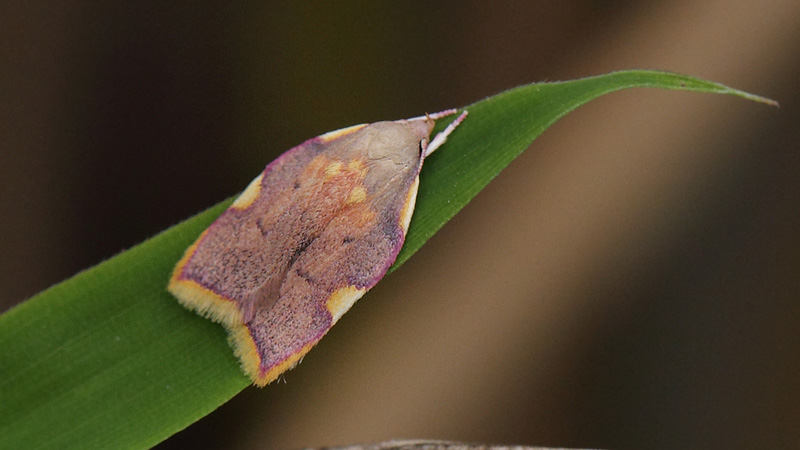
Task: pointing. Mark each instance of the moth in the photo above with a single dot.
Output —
(308, 237)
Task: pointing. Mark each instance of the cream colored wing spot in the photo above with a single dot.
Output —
(331, 135)
(357, 165)
(341, 301)
(250, 194)
(358, 195)
(408, 207)
(333, 169)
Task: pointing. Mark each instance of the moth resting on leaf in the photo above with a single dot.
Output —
(307, 238)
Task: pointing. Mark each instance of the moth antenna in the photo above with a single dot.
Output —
(441, 137)
(440, 114)
(435, 116)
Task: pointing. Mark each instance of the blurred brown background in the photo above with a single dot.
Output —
(631, 281)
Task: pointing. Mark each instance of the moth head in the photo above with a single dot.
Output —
(400, 143)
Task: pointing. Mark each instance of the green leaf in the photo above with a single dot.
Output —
(109, 359)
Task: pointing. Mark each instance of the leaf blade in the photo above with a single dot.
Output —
(109, 359)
